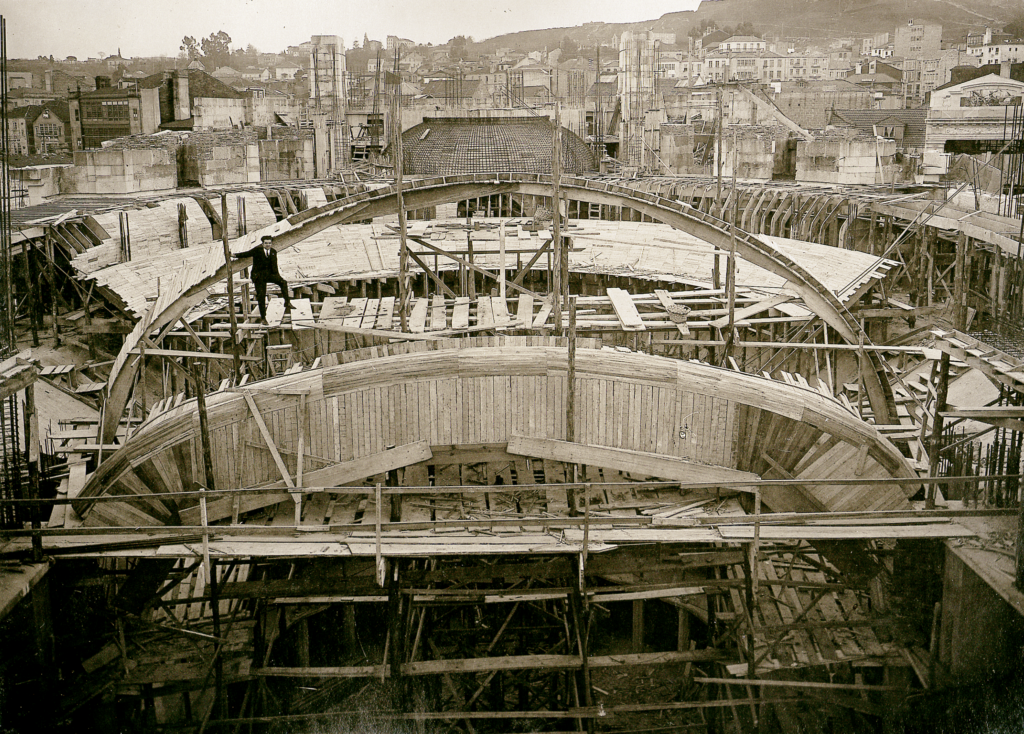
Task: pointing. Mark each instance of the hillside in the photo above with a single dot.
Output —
(786, 18)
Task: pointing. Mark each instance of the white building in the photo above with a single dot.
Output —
(743, 43)
(970, 117)
(998, 53)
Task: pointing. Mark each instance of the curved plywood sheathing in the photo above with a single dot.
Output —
(681, 420)
(191, 286)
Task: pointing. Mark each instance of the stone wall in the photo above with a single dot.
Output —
(846, 160)
(217, 158)
(122, 171)
(812, 106)
(287, 155)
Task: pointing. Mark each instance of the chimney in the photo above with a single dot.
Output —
(182, 105)
(1004, 69)
(103, 82)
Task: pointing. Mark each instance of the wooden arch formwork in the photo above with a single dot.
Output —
(191, 285)
(643, 426)
(646, 416)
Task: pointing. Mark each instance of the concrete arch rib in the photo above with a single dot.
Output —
(427, 192)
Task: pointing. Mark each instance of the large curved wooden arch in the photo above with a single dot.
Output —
(428, 192)
(737, 427)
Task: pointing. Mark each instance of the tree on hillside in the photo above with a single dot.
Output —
(704, 27)
(570, 48)
(746, 28)
(216, 49)
(458, 47)
(190, 48)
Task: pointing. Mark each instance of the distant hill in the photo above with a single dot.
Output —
(786, 18)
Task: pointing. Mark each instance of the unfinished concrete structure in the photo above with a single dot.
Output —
(555, 435)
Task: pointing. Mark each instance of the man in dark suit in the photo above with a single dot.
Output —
(264, 270)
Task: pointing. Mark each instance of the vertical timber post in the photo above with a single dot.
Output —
(32, 445)
(936, 437)
(403, 257)
(570, 399)
(235, 348)
(556, 228)
(960, 285)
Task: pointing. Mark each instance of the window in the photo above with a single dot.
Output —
(116, 110)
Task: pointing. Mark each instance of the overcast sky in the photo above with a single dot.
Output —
(86, 28)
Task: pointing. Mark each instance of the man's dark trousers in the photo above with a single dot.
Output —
(264, 270)
(261, 292)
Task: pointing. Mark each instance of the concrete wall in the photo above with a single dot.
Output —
(841, 160)
(122, 171)
(40, 182)
(150, 105)
(758, 152)
(284, 160)
(677, 147)
(260, 112)
(211, 113)
(981, 634)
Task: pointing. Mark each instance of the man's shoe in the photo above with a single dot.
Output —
(263, 321)
(287, 305)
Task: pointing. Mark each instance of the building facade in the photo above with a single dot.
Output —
(917, 40)
(970, 117)
(109, 113)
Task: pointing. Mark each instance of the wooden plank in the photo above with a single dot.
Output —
(460, 315)
(190, 355)
(354, 319)
(487, 664)
(385, 313)
(418, 316)
(302, 313)
(438, 319)
(748, 311)
(333, 309)
(665, 298)
(524, 311)
(625, 310)
(640, 462)
(546, 307)
(845, 532)
(334, 475)
(484, 312)
(369, 315)
(499, 307)
(275, 312)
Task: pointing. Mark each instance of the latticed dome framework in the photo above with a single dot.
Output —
(457, 145)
